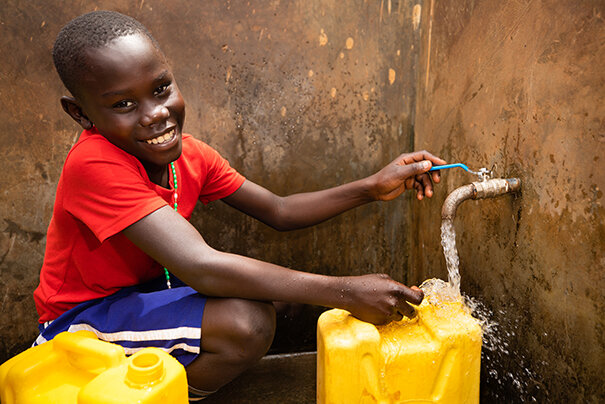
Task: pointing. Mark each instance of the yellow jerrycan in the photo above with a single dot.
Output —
(78, 368)
(434, 357)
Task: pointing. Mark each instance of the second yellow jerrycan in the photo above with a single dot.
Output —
(78, 368)
(434, 357)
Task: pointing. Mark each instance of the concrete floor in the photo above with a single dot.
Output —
(283, 379)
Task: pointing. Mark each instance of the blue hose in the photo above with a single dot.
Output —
(443, 167)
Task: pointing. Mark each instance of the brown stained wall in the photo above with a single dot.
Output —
(298, 95)
(521, 85)
(515, 84)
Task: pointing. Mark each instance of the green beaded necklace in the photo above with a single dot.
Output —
(176, 205)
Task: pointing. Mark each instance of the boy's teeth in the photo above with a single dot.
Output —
(161, 138)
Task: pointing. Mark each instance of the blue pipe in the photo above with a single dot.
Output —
(443, 167)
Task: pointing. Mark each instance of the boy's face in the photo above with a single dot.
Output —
(129, 93)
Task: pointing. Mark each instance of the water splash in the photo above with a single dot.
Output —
(437, 292)
(505, 369)
(498, 357)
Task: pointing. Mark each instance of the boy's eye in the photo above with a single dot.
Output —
(161, 89)
(123, 104)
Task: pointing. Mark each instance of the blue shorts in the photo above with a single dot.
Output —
(148, 315)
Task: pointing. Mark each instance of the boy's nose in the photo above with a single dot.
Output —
(155, 114)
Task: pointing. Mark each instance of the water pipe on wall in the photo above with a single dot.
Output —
(478, 190)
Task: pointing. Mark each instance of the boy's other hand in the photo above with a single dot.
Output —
(408, 171)
(378, 299)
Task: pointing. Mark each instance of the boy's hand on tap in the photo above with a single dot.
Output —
(408, 171)
(378, 299)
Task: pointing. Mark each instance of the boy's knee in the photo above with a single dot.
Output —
(241, 330)
(253, 327)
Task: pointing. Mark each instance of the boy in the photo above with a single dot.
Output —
(123, 261)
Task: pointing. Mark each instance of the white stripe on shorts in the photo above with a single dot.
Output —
(39, 340)
(183, 346)
(168, 334)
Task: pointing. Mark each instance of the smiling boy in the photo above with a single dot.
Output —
(123, 261)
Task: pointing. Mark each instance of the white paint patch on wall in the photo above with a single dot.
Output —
(416, 12)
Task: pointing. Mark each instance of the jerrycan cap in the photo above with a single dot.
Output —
(144, 368)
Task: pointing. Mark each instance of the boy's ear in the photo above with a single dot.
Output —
(73, 109)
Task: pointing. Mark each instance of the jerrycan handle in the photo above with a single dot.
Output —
(84, 351)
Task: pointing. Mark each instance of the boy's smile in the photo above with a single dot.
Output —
(129, 94)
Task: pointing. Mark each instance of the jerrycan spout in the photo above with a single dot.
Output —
(478, 190)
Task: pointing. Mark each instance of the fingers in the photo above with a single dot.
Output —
(397, 316)
(419, 167)
(404, 309)
(406, 172)
(419, 295)
(436, 176)
(416, 178)
(413, 295)
(419, 190)
(423, 186)
(388, 300)
(416, 165)
(421, 156)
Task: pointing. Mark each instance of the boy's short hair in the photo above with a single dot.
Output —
(90, 31)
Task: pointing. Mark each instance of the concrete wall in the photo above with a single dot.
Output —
(521, 85)
(298, 95)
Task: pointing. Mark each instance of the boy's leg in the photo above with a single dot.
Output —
(236, 333)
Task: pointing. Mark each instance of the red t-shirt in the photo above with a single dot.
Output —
(103, 190)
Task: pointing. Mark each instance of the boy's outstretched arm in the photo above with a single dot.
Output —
(173, 242)
(408, 171)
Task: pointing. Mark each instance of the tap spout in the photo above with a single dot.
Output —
(478, 190)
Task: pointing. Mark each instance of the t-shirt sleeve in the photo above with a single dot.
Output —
(106, 190)
(221, 179)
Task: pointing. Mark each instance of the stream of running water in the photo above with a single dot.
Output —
(448, 242)
(497, 338)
